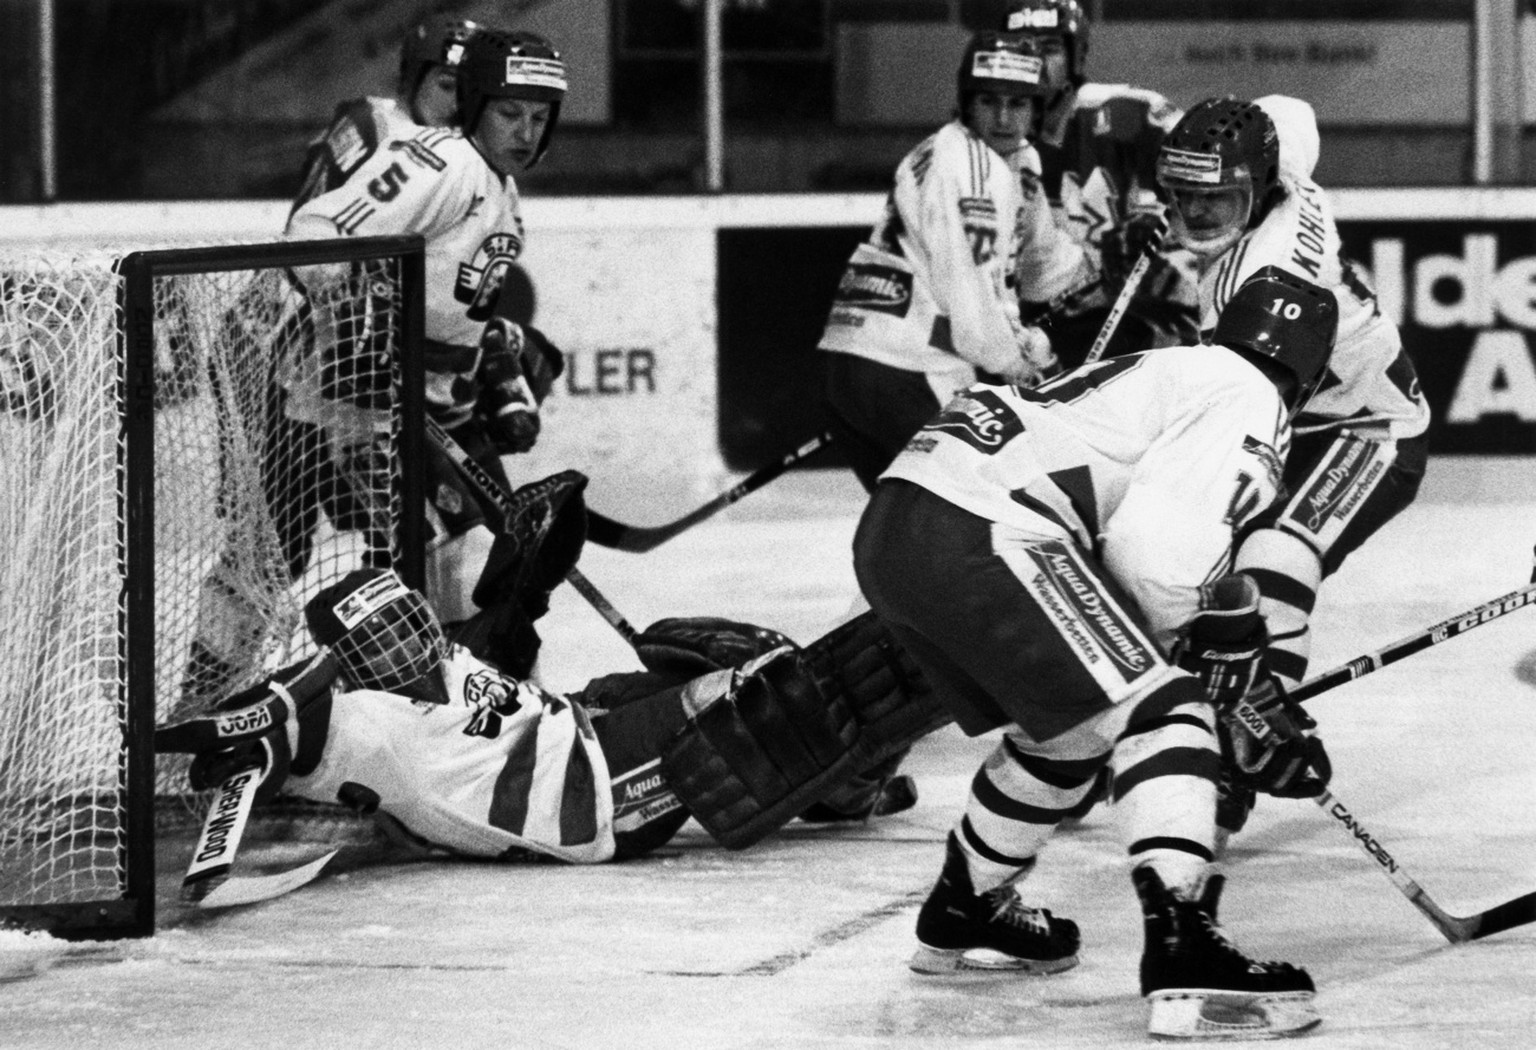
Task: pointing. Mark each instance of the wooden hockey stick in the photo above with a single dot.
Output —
(606, 532)
(1457, 929)
(1444, 631)
(223, 828)
(1117, 311)
(491, 492)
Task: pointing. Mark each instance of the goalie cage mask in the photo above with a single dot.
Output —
(1224, 150)
(383, 634)
(1279, 318)
(1062, 19)
(511, 65)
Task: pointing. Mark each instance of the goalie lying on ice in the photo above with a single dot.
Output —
(730, 723)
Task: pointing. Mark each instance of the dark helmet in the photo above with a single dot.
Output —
(510, 65)
(1059, 18)
(437, 41)
(382, 633)
(1280, 318)
(1002, 63)
(1223, 144)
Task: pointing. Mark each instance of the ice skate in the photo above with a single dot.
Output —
(960, 931)
(1200, 986)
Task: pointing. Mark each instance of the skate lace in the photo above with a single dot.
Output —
(1008, 908)
(1229, 946)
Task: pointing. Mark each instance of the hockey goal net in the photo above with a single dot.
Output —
(192, 441)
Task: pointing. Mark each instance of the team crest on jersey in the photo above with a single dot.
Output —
(479, 280)
(491, 696)
(869, 286)
(980, 419)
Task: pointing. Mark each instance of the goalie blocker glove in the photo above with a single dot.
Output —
(518, 368)
(1267, 739)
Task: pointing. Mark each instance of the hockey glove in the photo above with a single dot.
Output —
(506, 402)
(1269, 740)
(689, 646)
(1142, 233)
(542, 362)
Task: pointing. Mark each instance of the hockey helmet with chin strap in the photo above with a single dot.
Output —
(1220, 166)
(515, 64)
(437, 41)
(1278, 319)
(1062, 19)
(382, 633)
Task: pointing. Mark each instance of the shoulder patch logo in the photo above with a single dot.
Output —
(981, 419)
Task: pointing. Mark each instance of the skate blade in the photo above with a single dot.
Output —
(982, 962)
(1191, 1014)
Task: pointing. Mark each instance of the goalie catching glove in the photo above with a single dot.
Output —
(1266, 737)
(518, 367)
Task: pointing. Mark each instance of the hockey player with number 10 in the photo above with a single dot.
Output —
(1057, 561)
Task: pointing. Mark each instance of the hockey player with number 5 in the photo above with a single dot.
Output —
(1057, 561)
(1238, 177)
(486, 374)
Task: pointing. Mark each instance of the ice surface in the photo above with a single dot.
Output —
(801, 941)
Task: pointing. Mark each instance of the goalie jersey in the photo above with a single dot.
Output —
(500, 769)
(1150, 462)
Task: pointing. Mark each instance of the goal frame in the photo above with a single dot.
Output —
(132, 912)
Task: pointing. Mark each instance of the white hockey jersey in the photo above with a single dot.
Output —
(434, 182)
(357, 129)
(934, 288)
(503, 766)
(1150, 461)
(1371, 387)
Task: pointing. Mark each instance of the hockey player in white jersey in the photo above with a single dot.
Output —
(1098, 148)
(426, 94)
(1238, 175)
(1058, 562)
(486, 374)
(932, 297)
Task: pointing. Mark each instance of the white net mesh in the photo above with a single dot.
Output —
(254, 511)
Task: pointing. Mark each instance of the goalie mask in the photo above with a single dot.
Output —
(1278, 319)
(435, 42)
(1220, 166)
(511, 65)
(383, 634)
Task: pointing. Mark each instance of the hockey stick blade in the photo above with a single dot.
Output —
(252, 889)
(1457, 929)
(636, 539)
(214, 854)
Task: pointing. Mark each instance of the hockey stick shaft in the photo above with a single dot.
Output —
(491, 491)
(1433, 635)
(1117, 311)
(607, 532)
(223, 828)
(1457, 929)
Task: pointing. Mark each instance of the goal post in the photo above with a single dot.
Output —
(192, 442)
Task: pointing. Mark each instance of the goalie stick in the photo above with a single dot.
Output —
(606, 532)
(491, 491)
(1457, 929)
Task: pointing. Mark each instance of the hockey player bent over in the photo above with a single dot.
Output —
(1238, 176)
(1098, 147)
(731, 723)
(1053, 560)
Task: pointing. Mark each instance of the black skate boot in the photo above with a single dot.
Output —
(960, 931)
(1200, 985)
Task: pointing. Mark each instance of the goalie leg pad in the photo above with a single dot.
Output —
(768, 745)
